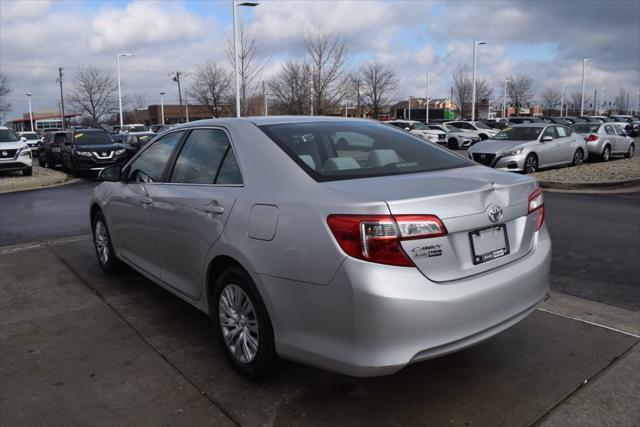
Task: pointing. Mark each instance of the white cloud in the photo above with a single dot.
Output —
(142, 24)
(23, 9)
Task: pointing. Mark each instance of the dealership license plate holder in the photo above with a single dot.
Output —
(55, 149)
(489, 243)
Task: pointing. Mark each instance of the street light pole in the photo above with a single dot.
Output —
(426, 108)
(162, 94)
(562, 99)
(584, 63)
(30, 112)
(409, 108)
(235, 48)
(119, 86)
(504, 99)
(603, 102)
(473, 90)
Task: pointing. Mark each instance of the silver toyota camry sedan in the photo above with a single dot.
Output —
(344, 244)
(529, 147)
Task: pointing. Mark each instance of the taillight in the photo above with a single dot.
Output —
(536, 204)
(377, 238)
(592, 137)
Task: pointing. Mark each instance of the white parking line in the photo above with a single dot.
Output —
(588, 322)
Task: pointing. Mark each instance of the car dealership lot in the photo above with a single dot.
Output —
(82, 346)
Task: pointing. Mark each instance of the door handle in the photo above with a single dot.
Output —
(146, 202)
(214, 208)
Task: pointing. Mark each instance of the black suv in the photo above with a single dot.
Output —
(50, 150)
(88, 150)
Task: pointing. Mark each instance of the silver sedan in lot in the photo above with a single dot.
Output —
(340, 243)
(605, 139)
(528, 147)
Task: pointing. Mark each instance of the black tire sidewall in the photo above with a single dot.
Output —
(264, 364)
(526, 162)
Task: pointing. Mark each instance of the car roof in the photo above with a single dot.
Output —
(533, 125)
(270, 120)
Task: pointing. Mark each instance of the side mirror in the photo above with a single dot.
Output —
(111, 173)
(546, 139)
(407, 128)
(23, 139)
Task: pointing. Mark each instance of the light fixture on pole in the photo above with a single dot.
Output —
(426, 107)
(584, 63)
(504, 99)
(119, 87)
(562, 99)
(235, 47)
(162, 94)
(476, 43)
(30, 112)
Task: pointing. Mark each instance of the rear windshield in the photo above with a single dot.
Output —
(585, 127)
(91, 138)
(518, 134)
(346, 150)
(7, 135)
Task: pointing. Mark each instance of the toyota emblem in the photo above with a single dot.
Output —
(495, 213)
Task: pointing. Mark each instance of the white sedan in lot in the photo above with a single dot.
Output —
(420, 130)
(478, 128)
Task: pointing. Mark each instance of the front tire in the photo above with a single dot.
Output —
(103, 246)
(531, 164)
(452, 144)
(42, 162)
(27, 172)
(243, 325)
(578, 157)
(629, 154)
(606, 154)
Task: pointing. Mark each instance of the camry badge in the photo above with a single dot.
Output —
(495, 213)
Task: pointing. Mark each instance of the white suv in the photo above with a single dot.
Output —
(15, 154)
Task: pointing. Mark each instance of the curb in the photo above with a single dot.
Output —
(55, 183)
(589, 185)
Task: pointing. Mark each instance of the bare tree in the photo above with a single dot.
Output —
(621, 101)
(291, 88)
(93, 94)
(250, 63)
(327, 57)
(463, 89)
(550, 100)
(520, 90)
(139, 101)
(378, 81)
(211, 87)
(354, 89)
(575, 101)
(5, 90)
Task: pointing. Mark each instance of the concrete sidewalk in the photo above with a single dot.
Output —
(78, 347)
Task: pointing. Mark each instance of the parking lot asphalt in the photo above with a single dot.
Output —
(78, 347)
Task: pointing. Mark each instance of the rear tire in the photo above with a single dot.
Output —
(606, 154)
(578, 157)
(27, 172)
(42, 162)
(629, 154)
(531, 163)
(244, 328)
(103, 246)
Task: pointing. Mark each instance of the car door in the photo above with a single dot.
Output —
(190, 211)
(130, 207)
(612, 137)
(621, 140)
(548, 150)
(565, 149)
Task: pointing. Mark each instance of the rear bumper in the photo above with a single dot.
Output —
(374, 319)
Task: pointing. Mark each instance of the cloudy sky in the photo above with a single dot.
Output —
(546, 39)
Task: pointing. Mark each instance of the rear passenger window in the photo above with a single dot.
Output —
(206, 158)
(609, 130)
(562, 132)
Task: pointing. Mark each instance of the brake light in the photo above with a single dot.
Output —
(536, 204)
(377, 238)
(591, 138)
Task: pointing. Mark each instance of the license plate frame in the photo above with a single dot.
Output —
(498, 250)
(55, 149)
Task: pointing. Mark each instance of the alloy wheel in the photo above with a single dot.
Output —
(531, 164)
(102, 242)
(239, 323)
(578, 158)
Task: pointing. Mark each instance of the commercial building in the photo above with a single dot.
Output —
(43, 121)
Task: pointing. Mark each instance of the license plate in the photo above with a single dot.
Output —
(489, 243)
(55, 149)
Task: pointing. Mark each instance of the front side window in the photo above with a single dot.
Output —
(150, 165)
(332, 150)
(206, 158)
(549, 132)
